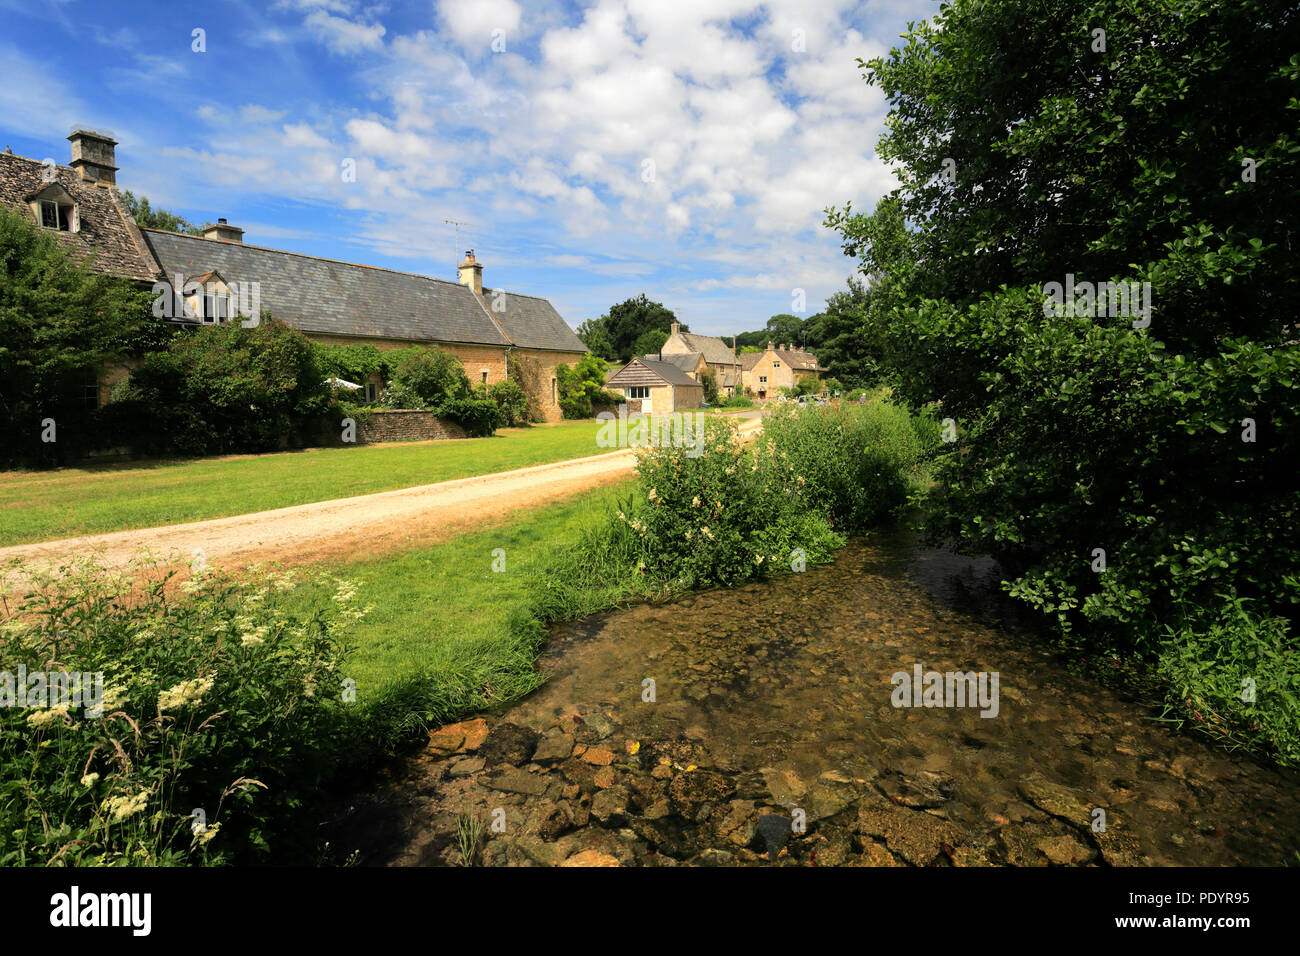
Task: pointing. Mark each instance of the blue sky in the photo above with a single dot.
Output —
(681, 149)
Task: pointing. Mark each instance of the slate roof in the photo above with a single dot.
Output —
(715, 351)
(634, 373)
(533, 323)
(330, 297)
(108, 240)
(686, 361)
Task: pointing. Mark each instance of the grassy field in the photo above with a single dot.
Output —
(41, 506)
(442, 611)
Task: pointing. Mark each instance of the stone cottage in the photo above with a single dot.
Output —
(655, 387)
(326, 299)
(765, 373)
(719, 357)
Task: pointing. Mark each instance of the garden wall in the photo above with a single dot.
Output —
(396, 424)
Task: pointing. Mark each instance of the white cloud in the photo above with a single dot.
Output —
(473, 22)
(344, 36)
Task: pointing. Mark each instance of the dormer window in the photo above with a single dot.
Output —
(776, 365)
(216, 308)
(55, 209)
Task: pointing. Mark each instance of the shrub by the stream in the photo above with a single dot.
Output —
(720, 517)
(1237, 678)
(216, 699)
(857, 464)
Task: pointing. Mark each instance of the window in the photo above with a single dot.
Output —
(776, 364)
(49, 214)
(762, 378)
(484, 373)
(216, 308)
(90, 390)
(372, 392)
(638, 391)
(552, 391)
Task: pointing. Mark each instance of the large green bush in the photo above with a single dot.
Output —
(59, 323)
(435, 377)
(1133, 479)
(220, 389)
(216, 699)
(582, 387)
(857, 464)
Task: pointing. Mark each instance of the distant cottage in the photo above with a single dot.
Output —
(765, 373)
(325, 299)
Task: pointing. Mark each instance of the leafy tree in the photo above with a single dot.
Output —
(593, 334)
(649, 343)
(1030, 149)
(582, 387)
(628, 320)
(220, 389)
(60, 323)
(845, 338)
(151, 217)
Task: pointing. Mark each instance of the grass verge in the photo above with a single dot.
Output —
(41, 506)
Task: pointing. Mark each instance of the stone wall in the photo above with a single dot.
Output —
(396, 424)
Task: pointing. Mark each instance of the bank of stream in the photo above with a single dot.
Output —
(771, 739)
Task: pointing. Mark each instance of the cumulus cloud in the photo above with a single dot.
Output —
(694, 145)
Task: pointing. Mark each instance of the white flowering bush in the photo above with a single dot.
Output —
(215, 699)
(724, 516)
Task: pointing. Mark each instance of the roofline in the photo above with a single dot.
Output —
(302, 255)
(342, 262)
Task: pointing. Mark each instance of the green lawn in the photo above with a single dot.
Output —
(442, 613)
(40, 506)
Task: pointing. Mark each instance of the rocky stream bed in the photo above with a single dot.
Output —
(772, 708)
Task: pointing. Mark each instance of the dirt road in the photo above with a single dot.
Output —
(344, 528)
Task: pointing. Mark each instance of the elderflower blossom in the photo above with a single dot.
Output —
(654, 495)
(89, 779)
(254, 638)
(695, 502)
(706, 532)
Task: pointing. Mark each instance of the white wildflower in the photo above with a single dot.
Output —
(185, 694)
(122, 807)
(44, 717)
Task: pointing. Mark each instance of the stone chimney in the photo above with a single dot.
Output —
(471, 273)
(675, 328)
(93, 156)
(223, 231)
(785, 347)
(770, 346)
